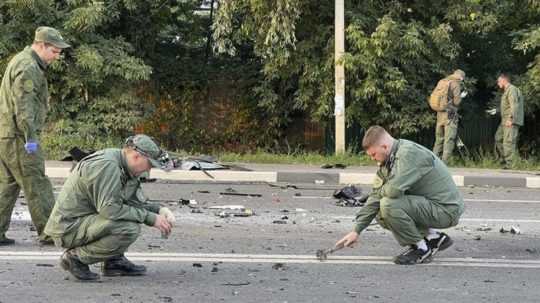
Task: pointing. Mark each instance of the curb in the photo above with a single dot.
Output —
(314, 177)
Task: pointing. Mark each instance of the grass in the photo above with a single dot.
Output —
(307, 158)
(478, 160)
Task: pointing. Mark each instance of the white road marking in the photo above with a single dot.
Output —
(466, 200)
(467, 219)
(291, 259)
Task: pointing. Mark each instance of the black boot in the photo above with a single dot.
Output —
(71, 262)
(4, 241)
(121, 266)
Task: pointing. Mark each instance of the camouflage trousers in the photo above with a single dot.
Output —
(445, 139)
(409, 217)
(96, 239)
(506, 143)
(27, 171)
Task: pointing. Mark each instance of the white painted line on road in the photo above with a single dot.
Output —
(219, 175)
(296, 259)
(467, 219)
(466, 200)
(356, 178)
(533, 182)
(501, 201)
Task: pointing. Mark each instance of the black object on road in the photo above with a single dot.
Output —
(239, 194)
(350, 196)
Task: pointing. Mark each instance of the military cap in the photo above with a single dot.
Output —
(148, 148)
(459, 73)
(50, 35)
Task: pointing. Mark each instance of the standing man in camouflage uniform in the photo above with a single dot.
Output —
(512, 117)
(23, 108)
(447, 120)
(413, 193)
(98, 213)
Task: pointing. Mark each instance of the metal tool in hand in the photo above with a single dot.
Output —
(322, 254)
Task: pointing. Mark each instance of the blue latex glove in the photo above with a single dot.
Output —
(31, 147)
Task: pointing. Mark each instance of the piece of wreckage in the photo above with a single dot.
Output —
(202, 163)
(350, 196)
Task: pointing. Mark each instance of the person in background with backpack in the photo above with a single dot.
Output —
(445, 100)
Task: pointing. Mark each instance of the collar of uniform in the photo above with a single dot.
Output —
(36, 57)
(125, 166)
(392, 156)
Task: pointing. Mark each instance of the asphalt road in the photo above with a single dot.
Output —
(253, 259)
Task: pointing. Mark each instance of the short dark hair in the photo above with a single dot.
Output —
(505, 76)
(373, 135)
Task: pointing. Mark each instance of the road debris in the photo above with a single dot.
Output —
(188, 202)
(337, 165)
(319, 181)
(231, 207)
(196, 211)
(279, 222)
(240, 194)
(44, 265)
(350, 196)
(198, 265)
(279, 266)
(236, 284)
(483, 227)
(513, 230)
(477, 238)
(235, 213)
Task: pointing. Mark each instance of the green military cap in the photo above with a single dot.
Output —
(459, 73)
(50, 35)
(148, 148)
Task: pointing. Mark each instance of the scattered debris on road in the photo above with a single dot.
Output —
(236, 284)
(198, 265)
(350, 196)
(279, 222)
(44, 265)
(240, 194)
(513, 230)
(246, 212)
(337, 165)
(279, 266)
(483, 227)
(188, 202)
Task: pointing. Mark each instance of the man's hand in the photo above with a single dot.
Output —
(508, 123)
(463, 94)
(349, 240)
(492, 111)
(31, 147)
(168, 214)
(163, 224)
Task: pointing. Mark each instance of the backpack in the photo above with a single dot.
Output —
(438, 100)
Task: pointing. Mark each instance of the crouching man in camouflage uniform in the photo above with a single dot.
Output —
(98, 214)
(413, 193)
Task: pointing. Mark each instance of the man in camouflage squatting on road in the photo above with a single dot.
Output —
(413, 194)
(446, 128)
(23, 108)
(98, 213)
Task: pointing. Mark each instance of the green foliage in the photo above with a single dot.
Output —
(396, 53)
